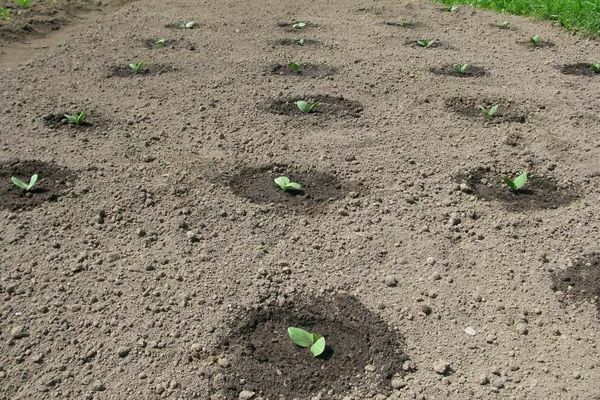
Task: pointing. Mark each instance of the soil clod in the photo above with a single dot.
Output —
(507, 111)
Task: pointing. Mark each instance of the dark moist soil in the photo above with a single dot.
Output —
(306, 70)
(53, 181)
(450, 70)
(124, 71)
(405, 24)
(539, 192)
(319, 189)
(581, 69)
(58, 120)
(508, 111)
(181, 25)
(581, 280)
(268, 363)
(543, 45)
(150, 43)
(292, 42)
(329, 105)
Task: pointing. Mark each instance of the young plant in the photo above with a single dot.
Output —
(596, 68)
(307, 107)
(299, 41)
(424, 43)
(535, 40)
(489, 112)
(401, 24)
(76, 119)
(305, 339)
(160, 42)
(187, 24)
(299, 25)
(462, 69)
(504, 25)
(517, 183)
(294, 67)
(138, 68)
(22, 185)
(452, 8)
(5, 14)
(287, 185)
(23, 3)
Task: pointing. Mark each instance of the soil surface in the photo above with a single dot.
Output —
(158, 249)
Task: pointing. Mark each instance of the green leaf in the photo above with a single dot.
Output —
(19, 183)
(318, 347)
(190, 24)
(299, 42)
(282, 182)
(32, 181)
(300, 337)
(295, 67)
(509, 182)
(302, 106)
(293, 186)
(299, 25)
(520, 181)
(596, 68)
(535, 40)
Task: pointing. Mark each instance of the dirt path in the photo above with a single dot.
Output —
(156, 260)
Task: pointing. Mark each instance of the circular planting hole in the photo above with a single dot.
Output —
(53, 181)
(581, 280)
(483, 109)
(318, 188)
(581, 69)
(129, 71)
(402, 24)
(427, 44)
(459, 71)
(305, 70)
(327, 105)
(300, 41)
(60, 120)
(162, 43)
(185, 24)
(363, 352)
(538, 193)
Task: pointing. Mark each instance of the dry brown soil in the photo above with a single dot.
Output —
(156, 258)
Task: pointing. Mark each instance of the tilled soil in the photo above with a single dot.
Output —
(157, 259)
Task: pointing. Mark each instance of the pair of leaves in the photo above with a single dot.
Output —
(25, 186)
(76, 119)
(287, 185)
(294, 67)
(504, 25)
(535, 40)
(299, 41)
(138, 68)
(299, 25)
(462, 68)
(187, 24)
(424, 43)
(302, 338)
(517, 183)
(160, 42)
(489, 112)
(307, 107)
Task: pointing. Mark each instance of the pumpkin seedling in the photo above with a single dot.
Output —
(504, 25)
(596, 68)
(25, 186)
(304, 339)
(287, 185)
(462, 69)
(160, 42)
(23, 3)
(299, 41)
(138, 68)
(489, 112)
(76, 119)
(424, 43)
(5, 14)
(452, 8)
(307, 107)
(294, 67)
(401, 24)
(535, 40)
(517, 183)
(187, 24)
(299, 25)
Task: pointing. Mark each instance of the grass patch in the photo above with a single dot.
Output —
(577, 15)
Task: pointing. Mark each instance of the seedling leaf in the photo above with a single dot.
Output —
(25, 186)
(300, 337)
(294, 67)
(596, 68)
(535, 40)
(299, 25)
(504, 25)
(5, 14)
(462, 68)
(517, 183)
(190, 24)
(299, 42)
(23, 3)
(425, 43)
(76, 119)
(307, 107)
(318, 347)
(282, 182)
(294, 186)
(489, 112)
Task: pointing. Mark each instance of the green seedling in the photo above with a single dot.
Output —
(401, 24)
(517, 183)
(76, 119)
(287, 185)
(294, 67)
(504, 25)
(161, 42)
(452, 8)
(535, 40)
(489, 112)
(462, 69)
(425, 43)
(596, 68)
(299, 25)
(188, 24)
(5, 14)
(138, 68)
(307, 107)
(305, 339)
(23, 3)
(25, 186)
(299, 42)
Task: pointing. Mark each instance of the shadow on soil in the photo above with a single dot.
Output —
(539, 192)
(319, 189)
(581, 280)
(268, 363)
(53, 181)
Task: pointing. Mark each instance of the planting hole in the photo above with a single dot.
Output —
(581, 69)
(54, 180)
(125, 71)
(306, 70)
(297, 42)
(267, 362)
(328, 105)
(538, 193)
(472, 71)
(581, 280)
(59, 120)
(475, 108)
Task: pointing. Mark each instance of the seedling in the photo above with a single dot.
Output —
(401, 24)
(76, 119)
(25, 186)
(5, 14)
(299, 25)
(23, 3)
(452, 8)
(294, 67)
(517, 183)
(138, 68)
(302, 338)
(489, 112)
(462, 69)
(287, 185)
(596, 68)
(187, 24)
(504, 25)
(161, 42)
(425, 43)
(307, 107)
(535, 40)
(299, 42)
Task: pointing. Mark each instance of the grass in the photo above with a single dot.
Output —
(576, 15)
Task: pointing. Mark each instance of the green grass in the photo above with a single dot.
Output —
(577, 15)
